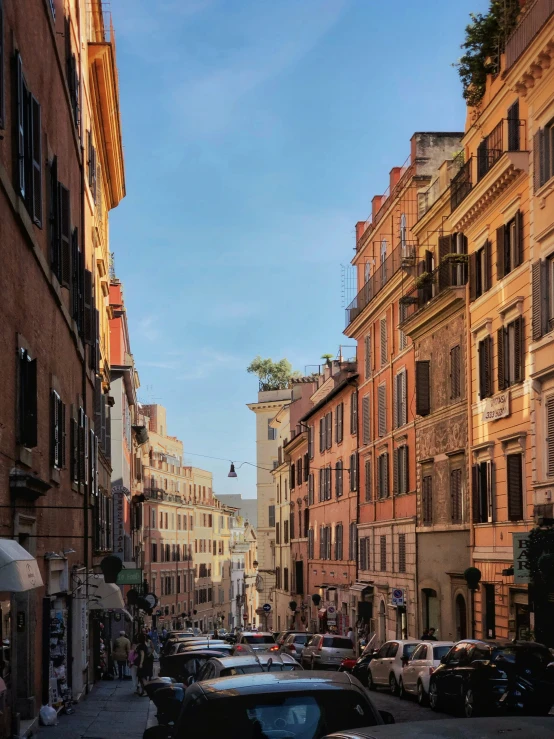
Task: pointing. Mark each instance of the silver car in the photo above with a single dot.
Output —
(246, 664)
(326, 650)
(257, 641)
(294, 644)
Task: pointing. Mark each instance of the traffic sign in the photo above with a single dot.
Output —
(331, 614)
(398, 598)
(129, 577)
(151, 599)
(266, 607)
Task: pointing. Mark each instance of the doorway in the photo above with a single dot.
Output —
(382, 622)
(431, 609)
(461, 618)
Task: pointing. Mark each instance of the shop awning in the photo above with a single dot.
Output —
(104, 596)
(359, 587)
(322, 612)
(18, 569)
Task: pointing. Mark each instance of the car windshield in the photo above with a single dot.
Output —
(259, 639)
(440, 652)
(337, 643)
(535, 659)
(301, 638)
(269, 715)
(409, 649)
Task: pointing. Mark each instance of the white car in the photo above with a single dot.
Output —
(387, 665)
(424, 661)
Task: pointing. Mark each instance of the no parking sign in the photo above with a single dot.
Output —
(398, 597)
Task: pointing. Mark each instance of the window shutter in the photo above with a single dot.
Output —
(402, 552)
(27, 400)
(405, 471)
(311, 489)
(382, 409)
(519, 238)
(513, 126)
(423, 390)
(538, 148)
(395, 466)
(75, 277)
(64, 219)
(322, 434)
(501, 334)
(385, 458)
(21, 102)
(311, 442)
(62, 434)
(475, 492)
(488, 266)
(368, 471)
(445, 247)
(74, 441)
(515, 486)
(366, 420)
(354, 413)
(329, 434)
(456, 496)
(321, 485)
(88, 308)
(550, 436)
(539, 297)
(403, 398)
(472, 276)
(53, 224)
(384, 350)
(500, 252)
(427, 499)
(340, 414)
(2, 91)
(485, 367)
(36, 161)
(367, 357)
(337, 425)
(306, 467)
(455, 372)
(519, 338)
(55, 460)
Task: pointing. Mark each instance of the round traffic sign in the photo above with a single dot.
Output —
(151, 599)
(397, 593)
(267, 607)
(331, 610)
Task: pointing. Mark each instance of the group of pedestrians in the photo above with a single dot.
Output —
(138, 656)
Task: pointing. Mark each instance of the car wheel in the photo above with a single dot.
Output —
(434, 698)
(370, 683)
(393, 685)
(471, 709)
(422, 697)
(401, 692)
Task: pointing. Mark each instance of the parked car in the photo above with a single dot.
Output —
(190, 638)
(477, 728)
(276, 704)
(294, 644)
(246, 664)
(182, 666)
(260, 641)
(386, 666)
(361, 668)
(284, 635)
(182, 646)
(416, 673)
(326, 650)
(480, 675)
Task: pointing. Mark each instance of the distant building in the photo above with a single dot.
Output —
(247, 507)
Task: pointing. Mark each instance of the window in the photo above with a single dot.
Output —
(354, 412)
(328, 430)
(292, 476)
(483, 492)
(338, 542)
(427, 500)
(73, 84)
(402, 315)
(306, 467)
(278, 578)
(368, 491)
(271, 432)
(400, 402)
(322, 542)
(400, 471)
(490, 611)
(311, 442)
(510, 354)
(311, 489)
(285, 532)
(456, 509)
(58, 431)
(366, 421)
(543, 297)
(353, 472)
(480, 278)
(543, 151)
(403, 232)
(383, 552)
(310, 543)
(298, 471)
(322, 436)
(271, 516)
(509, 246)
(306, 521)
(339, 423)
(92, 172)
(484, 350)
(367, 356)
(384, 342)
(382, 409)
(291, 525)
(383, 475)
(401, 552)
(353, 542)
(514, 472)
(29, 146)
(285, 578)
(383, 261)
(339, 490)
(154, 551)
(364, 553)
(550, 436)
(27, 415)
(423, 388)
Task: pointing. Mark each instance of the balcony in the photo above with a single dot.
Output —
(449, 275)
(529, 27)
(401, 256)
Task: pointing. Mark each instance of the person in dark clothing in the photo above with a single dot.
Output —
(425, 635)
(142, 664)
(431, 636)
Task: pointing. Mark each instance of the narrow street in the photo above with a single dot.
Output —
(404, 710)
(111, 710)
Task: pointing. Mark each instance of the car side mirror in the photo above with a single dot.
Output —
(387, 717)
(190, 680)
(443, 660)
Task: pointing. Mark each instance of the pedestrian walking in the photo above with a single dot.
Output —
(121, 649)
(350, 634)
(150, 654)
(133, 664)
(141, 664)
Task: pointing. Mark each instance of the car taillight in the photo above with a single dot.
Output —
(292, 648)
(320, 648)
(239, 648)
(431, 670)
(274, 649)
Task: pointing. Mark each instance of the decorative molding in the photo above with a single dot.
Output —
(511, 304)
(533, 71)
(484, 326)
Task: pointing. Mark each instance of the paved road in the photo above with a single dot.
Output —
(404, 710)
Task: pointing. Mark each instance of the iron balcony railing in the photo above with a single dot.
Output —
(508, 135)
(529, 26)
(402, 256)
(451, 272)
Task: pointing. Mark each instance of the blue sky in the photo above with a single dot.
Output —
(255, 134)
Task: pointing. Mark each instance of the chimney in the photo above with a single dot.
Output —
(360, 228)
(394, 176)
(376, 204)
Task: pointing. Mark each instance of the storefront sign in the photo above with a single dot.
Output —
(497, 407)
(397, 597)
(129, 577)
(521, 558)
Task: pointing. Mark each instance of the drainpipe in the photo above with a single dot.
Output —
(468, 385)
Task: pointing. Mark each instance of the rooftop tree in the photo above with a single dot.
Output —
(272, 375)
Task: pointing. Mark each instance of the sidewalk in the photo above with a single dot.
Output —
(111, 710)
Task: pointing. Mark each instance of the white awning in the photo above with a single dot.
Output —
(360, 586)
(18, 569)
(104, 596)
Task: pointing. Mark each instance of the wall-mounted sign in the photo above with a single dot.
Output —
(497, 407)
(129, 577)
(331, 615)
(118, 496)
(521, 558)
(397, 597)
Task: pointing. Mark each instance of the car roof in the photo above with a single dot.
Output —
(502, 643)
(200, 652)
(223, 647)
(250, 659)
(438, 643)
(282, 682)
(406, 641)
(257, 633)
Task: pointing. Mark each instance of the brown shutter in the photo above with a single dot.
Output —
(75, 275)
(54, 429)
(367, 349)
(21, 103)
(354, 413)
(472, 276)
(382, 409)
(500, 253)
(538, 159)
(62, 434)
(423, 389)
(88, 307)
(550, 436)
(28, 401)
(337, 425)
(385, 458)
(514, 474)
(64, 219)
(74, 441)
(368, 464)
(519, 239)
(322, 434)
(445, 247)
(395, 471)
(519, 339)
(500, 334)
(539, 297)
(366, 420)
(329, 434)
(487, 277)
(384, 352)
(36, 161)
(475, 492)
(455, 371)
